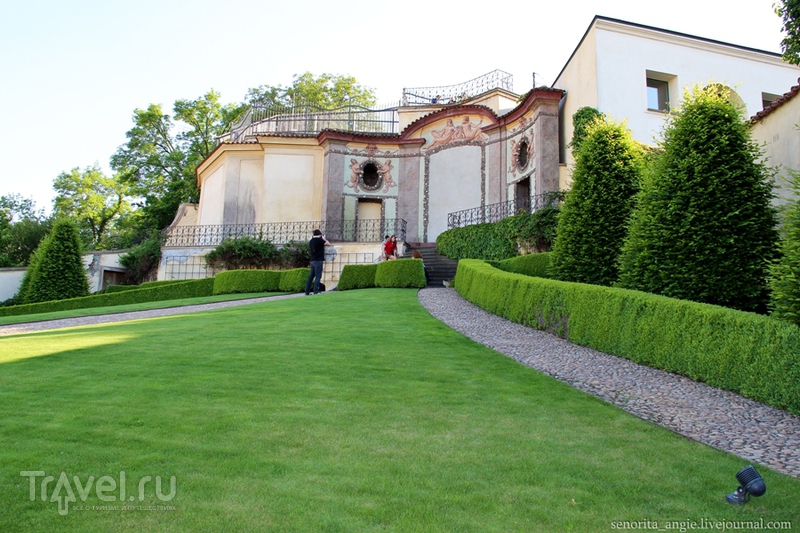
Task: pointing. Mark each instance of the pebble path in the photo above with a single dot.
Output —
(722, 419)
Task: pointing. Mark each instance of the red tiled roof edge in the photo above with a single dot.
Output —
(776, 104)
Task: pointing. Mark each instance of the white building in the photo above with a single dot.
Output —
(637, 73)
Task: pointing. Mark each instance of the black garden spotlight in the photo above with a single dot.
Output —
(750, 482)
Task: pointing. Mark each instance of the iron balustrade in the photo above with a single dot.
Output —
(453, 94)
(367, 230)
(301, 118)
(501, 210)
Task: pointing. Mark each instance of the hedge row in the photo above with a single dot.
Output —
(528, 265)
(145, 285)
(357, 277)
(403, 273)
(183, 289)
(753, 355)
(234, 281)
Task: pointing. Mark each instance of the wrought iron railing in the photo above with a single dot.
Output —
(368, 230)
(310, 119)
(452, 94)
(501, 210)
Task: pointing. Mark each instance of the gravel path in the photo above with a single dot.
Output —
(27, 327)
(718, 418)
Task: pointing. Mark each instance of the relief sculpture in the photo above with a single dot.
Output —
(466, 131)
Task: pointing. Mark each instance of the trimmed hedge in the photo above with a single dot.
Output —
(403, 273)
(537, 265)
(357, 277)
(294, 280)
(119, 288)
(753, 355)
(183, 289)
(481, 241)
(234, 281)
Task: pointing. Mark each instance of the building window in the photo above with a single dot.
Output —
(767, 99)
(657, 95)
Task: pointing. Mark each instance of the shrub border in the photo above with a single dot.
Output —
(753, 355)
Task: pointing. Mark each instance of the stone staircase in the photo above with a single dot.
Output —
(440, 268)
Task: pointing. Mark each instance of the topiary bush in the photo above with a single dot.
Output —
(593, 221)
(235, 281)
(402, 273)
(242, 253)
(357, 277)
(751, 354)
(785, 273)
(294, 280)
(538, 265)
(704, 226)
(59, 273)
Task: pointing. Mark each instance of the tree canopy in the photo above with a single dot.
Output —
(22, 227)
(92, 199)
(326, 91)
(789, 11)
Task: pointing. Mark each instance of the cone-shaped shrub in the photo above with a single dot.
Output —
(593, 220)
(704, 227)
(59, 272)
(785, 280)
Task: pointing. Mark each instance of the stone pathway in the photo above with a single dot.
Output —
(721, 419)
(718, 418)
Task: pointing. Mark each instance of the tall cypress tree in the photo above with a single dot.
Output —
(704, 226)
(593, 220)
(59, 272)
(785, 273)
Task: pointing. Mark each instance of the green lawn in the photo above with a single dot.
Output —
(146, 306)
(354, 411)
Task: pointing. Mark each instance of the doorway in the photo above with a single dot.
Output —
(369, 223)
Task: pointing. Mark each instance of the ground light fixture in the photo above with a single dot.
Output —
(750, 482)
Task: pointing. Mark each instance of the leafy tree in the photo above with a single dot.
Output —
(91, 198)
(22, 228)
(160, 164)
(153, 164)
(789, 11)
(581, 120)
(58, 272)
(141, 261)
(593, 220)
(785, 273)
(704, 226)
(326, 91)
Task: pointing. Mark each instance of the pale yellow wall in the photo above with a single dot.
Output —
(292, 183)
(579, 79)
(778, 135)
(212, 197)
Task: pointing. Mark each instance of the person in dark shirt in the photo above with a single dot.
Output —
(317, 246)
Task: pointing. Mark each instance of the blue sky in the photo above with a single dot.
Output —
(71, 73)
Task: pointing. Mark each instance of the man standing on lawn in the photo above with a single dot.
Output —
(317, 246)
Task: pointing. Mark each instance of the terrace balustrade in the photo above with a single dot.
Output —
(368, 230)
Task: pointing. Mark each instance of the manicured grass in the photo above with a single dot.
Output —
(348, 412)
(91, 311)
